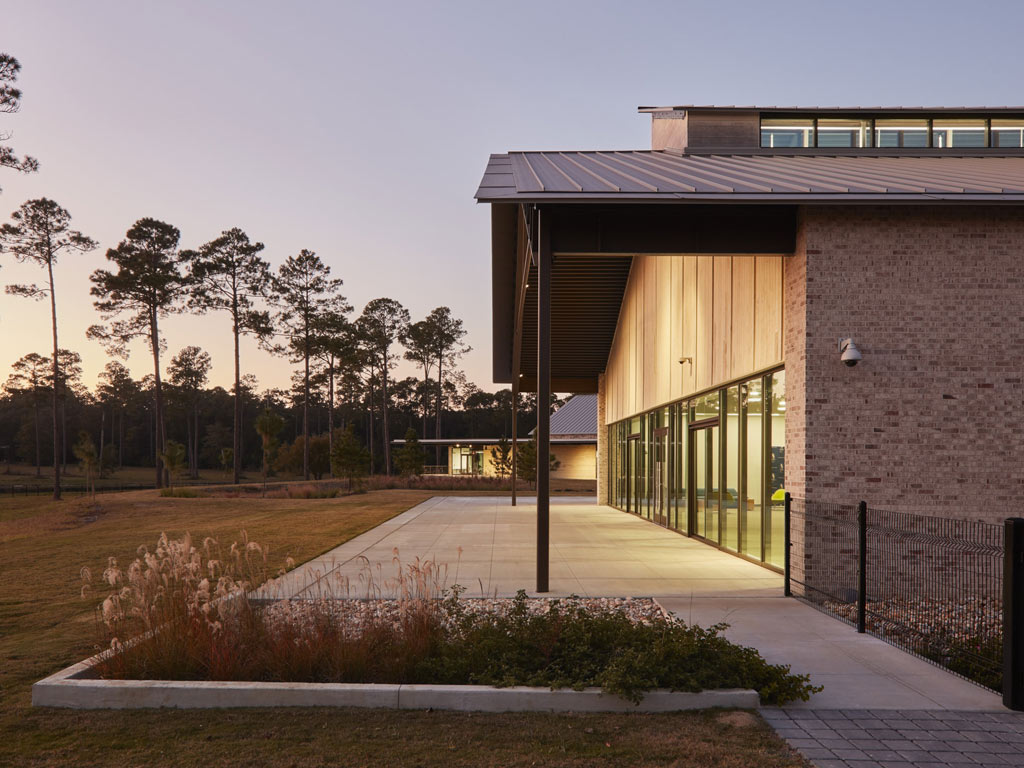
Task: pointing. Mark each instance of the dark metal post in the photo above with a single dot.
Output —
(862, 566)
(786, 590)
(543, 399)
(1013, 613)
(515, 435)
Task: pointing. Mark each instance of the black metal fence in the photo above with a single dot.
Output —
(932, 586)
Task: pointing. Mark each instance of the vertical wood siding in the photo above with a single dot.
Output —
(726, 312)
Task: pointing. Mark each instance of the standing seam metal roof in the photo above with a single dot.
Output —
(660, 175)
(577, 417)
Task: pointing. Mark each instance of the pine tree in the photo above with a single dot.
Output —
(228, 274)
(39, 233)
(147, 286)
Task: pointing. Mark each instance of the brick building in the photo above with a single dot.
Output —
(713, 289)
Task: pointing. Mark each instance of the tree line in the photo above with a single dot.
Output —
(344, 378)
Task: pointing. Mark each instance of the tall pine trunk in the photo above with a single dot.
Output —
(384, 411)
(440, 407)
(195, 441)
(236, 440)
(330, 416)
(56, 384)
(158, 400)
(35, 416)
(305, 416)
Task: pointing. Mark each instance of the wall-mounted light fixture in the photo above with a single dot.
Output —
(848, 353)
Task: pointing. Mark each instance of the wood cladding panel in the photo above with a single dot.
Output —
(663, 363)
(723, 311)
(668, 132)
(721, 322)
(702, 360)
(743, 272)
(676, 327)
(768, 308)
(689, 323)
(650, 324)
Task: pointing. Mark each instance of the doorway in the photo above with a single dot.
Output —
(661, 475)
(704, 447)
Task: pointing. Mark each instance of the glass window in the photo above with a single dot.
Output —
(706, 407)
(787, 133)
(901, 133)
(958, 133)
(1008, 133)
(844, 133)
(752, 409)
(730, 497)
(776, 470)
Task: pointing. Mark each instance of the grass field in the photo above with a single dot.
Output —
(45, 625)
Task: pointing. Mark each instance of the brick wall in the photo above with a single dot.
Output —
(932, 420)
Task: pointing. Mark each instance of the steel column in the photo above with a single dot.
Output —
(862, 566)
(1013, 613)
(515, 434)
(544, 262)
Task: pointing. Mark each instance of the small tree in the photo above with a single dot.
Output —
(501, 457)
(319, 456)
(269, 425)
(173, 457)
(349, 458)
(85, 452)
(188, 372)
(409, 459)
(227, 460)
(527, 461)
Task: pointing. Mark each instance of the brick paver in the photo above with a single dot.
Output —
(860, 738)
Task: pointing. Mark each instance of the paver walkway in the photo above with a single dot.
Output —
(865, 738)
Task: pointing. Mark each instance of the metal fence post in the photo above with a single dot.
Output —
(786, 590)
(1013, 613)
(862, 566)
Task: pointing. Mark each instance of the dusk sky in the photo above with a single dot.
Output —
(360, 130)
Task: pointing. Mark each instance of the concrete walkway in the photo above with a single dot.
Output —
(599, 551)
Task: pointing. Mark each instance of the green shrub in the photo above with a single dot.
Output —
(571, 646)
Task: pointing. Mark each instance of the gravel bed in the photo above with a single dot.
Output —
(360, 612)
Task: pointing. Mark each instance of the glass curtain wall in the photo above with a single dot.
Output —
(712, 467)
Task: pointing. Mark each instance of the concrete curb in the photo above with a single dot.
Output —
(74, 688)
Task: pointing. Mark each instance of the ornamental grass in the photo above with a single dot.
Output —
(193, 612)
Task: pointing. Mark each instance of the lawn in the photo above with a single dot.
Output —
(45, 625)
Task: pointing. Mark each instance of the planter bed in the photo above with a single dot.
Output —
(77, 688)
(197, 640)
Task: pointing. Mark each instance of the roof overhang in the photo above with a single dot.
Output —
(603, 208)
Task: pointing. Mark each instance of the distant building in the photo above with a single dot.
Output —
(573, 444)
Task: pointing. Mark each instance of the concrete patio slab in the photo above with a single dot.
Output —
(489, 548)
(858, 671)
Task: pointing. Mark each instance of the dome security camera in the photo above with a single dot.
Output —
(848, 353)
